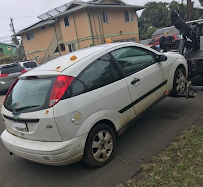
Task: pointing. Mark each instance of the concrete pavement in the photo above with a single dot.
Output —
(2, 97)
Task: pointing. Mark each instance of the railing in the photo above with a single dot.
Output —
(56, 40)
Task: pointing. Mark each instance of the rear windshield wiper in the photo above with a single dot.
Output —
(25, 107)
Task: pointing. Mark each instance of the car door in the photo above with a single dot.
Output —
(146, 78)
(100, 91)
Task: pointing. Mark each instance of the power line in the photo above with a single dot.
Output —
(19, 17)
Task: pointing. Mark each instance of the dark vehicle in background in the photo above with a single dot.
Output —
(28, 65)
(169, 40)
(8, 74)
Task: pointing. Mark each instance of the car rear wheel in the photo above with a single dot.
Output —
(179, 83)
(100, 146)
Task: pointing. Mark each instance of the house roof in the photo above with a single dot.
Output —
(8, 44)
(51, 16)
(36, 25)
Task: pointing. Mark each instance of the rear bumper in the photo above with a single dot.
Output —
(50, 153)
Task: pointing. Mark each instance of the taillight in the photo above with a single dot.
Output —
(10, 89)
(3, 75)
(24, 71)
(60, 86)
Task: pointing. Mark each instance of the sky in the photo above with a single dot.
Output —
(25, 12)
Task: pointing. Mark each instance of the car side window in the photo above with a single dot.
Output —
(100, 73)
(133, 59)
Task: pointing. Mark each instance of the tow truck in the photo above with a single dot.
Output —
(190, 46)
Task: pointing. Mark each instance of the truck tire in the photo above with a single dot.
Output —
(100, 145)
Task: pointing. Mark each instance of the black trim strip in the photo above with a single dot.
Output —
(21, 119)
(141, 98)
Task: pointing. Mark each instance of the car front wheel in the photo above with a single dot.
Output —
(179, 83)
(100, 146)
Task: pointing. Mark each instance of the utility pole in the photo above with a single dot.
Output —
(13, 29)
(189, 10)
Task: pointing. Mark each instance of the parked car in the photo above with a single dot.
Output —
(75, 106)
(29, 65)
(8, 74)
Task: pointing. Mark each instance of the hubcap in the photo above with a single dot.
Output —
(180, 82)
(102, 146)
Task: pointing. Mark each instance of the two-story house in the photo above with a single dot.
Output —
(78, 25)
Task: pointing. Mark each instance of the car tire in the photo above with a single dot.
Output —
(179, 83)
(100, 145)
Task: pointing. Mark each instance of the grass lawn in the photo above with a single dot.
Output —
(180, 164)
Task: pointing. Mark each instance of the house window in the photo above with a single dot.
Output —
(128, 16)
(71, 47)
(66, 21)
(42, 28)
(63, 48)
(1, 50)
(105, 16)
(30, 36)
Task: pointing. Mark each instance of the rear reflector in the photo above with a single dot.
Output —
(10, 89)
(60, 86)
(24, 71)
(3, 75)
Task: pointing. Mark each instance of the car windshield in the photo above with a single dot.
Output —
(29, 95)
(30, 64)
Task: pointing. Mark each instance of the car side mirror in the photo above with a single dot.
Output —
(162, 58)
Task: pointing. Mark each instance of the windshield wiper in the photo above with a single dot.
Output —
(25, 107)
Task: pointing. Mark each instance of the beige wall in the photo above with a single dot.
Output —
(78, 27)
(117, 22)
(115, 26)
(81, 29)
(41, 41)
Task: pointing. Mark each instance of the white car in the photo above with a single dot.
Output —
(75, 106)
(29, 65)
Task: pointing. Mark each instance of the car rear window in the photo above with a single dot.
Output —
(30, 64)
(11, 69)
(29, 95)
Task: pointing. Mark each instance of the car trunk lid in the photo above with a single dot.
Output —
(26, 110)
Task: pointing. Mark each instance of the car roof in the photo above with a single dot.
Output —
(26, 61)
(61, 63)
(8, 65)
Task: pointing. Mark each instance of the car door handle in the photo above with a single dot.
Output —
(135, 80)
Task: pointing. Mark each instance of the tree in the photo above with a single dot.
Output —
(157, 15)
(201, 2)
(179, 8)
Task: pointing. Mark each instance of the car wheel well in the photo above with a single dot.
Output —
(181, 66)
(109, 123)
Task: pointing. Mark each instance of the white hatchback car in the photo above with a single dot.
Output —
(75, 106)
